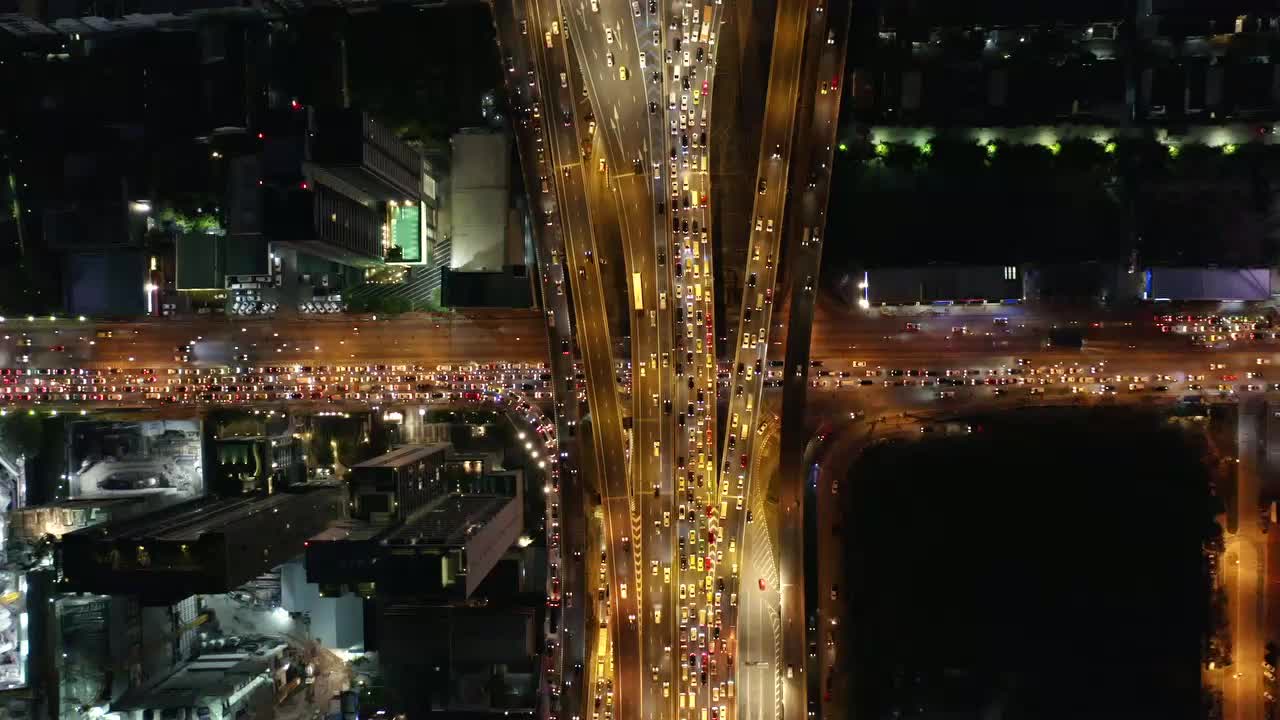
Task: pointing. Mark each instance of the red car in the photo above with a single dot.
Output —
(761, 583)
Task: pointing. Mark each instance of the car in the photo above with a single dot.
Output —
(622, 72)
(822, 88)
(608, 59)
(835, 591)
(762, 186)
(653, 108)
(759, 223)
(608, 35)
(761, 584)
(635, 8)
(604, 166)
(547, 36)
(564, 347)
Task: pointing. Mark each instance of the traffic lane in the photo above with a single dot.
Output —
(423, 344)
(626, 594)
(758, 629)
(1179, 365)
(774, 162)
(619, 103)
(1243, 694)
(570, 650)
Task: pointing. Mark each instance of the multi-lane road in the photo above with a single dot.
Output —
(684, 589)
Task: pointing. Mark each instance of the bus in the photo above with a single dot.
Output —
(602, 642)
(706, 23)
(637, 292)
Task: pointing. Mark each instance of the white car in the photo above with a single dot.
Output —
(686, 58)
(608, 59)
(595, 6)
(608, 35)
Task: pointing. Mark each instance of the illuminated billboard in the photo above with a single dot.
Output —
(404, 222)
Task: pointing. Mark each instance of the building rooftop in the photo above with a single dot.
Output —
(199, 681)
(403, 456)
(190, 520)
(449, 520)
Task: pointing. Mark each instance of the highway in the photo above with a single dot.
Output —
(932, 368)
(567, 593)
(751, 342)
(687, 76)
(810, 184)
(565, 131)
(609, 126)
(664, 516)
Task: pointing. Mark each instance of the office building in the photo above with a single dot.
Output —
(488, 239)
(392, 486)
(202, 546)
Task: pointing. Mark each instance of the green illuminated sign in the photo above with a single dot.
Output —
(406, 231)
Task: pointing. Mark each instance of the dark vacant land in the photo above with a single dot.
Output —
(1048, 565)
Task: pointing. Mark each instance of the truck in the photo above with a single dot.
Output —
(706, 23)
(637, 293)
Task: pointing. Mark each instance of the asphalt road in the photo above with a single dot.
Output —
(1243, 684)
(751, 341)
(566, 499)
(447, 338)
